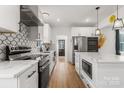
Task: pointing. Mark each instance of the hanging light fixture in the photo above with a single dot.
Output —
(97, 31)
(118, 23)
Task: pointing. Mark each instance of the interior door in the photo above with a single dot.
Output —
(61, 47)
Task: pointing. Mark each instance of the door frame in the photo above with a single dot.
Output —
(62, 37)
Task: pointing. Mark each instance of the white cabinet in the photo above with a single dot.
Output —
(46, 33)
(9, 18)
(28, 79)
(77, 62)
(82, 31)
(52, 61)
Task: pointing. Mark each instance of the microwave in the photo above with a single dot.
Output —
(87, 68)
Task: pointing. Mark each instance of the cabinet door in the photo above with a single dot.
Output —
(52, 62)
(29, 79)
(82, 31)
(9, 18)
(77, 62)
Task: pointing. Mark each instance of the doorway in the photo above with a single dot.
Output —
(61, 44)
(61, 47)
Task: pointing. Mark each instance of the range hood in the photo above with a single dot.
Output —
(27, 16)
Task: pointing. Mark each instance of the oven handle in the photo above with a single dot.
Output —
(32, 74)
(42, 68)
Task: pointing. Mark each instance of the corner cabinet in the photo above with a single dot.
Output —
(9, 18)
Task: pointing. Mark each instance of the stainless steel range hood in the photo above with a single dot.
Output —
(28, 17)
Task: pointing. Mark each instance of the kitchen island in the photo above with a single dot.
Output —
(101, 70)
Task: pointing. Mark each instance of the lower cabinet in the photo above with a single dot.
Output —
(28, 79)
(52, 61)
(77, 62)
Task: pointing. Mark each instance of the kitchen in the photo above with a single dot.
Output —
(41, 47)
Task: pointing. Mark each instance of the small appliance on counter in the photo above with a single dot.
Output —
(24, 53)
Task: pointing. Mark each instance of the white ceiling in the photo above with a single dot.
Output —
(75, 15)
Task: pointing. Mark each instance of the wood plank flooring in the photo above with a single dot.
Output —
(65, 76)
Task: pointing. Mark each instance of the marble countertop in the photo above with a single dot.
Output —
(102, 58)
(12, 69)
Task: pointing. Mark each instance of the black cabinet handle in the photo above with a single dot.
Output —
(31, 74)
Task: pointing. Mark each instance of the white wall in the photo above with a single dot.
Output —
(106, 28)
(109, 46)
(40, 31)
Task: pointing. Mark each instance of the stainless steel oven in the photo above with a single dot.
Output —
(87, 68)
(44, 74)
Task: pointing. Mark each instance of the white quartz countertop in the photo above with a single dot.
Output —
(102, 58)
(12, 69)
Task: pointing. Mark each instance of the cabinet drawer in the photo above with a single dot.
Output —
(29, 78)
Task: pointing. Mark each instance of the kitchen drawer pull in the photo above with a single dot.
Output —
(31, 74)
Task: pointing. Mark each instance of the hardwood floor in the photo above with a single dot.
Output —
(65, 76)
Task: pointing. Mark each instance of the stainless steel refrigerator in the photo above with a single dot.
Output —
(84, 44)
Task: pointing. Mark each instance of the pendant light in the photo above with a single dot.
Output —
(118, 23)
(97, 31)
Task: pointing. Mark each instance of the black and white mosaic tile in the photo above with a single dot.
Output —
(18, 39)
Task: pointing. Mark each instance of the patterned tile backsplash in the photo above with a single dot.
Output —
(18, 39)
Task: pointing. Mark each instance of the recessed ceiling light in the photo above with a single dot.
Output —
(87, 20)
(58, 20)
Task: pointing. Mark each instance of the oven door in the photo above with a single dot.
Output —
(44, 75)
(87, 68)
